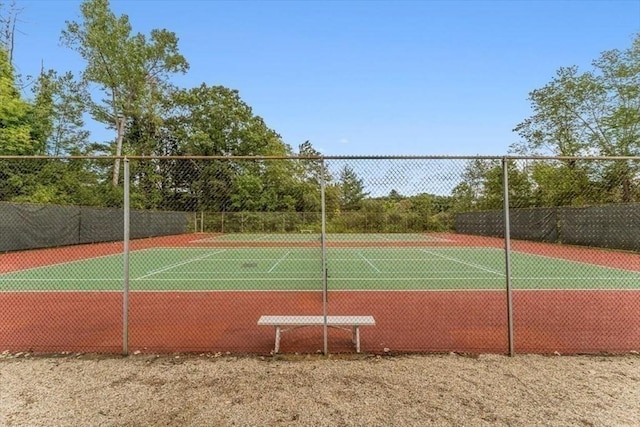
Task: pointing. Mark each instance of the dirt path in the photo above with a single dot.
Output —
(224, 390)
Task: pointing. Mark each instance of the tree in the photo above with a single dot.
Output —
(560, 184)
(310, 173)
(592, 113)
(247, 194)
(351, 189)
(41, 113)
(313, 168)
(69, 99)
(463, 198)
(15, 129)
(519, 187)
(215, 121)
(395, 196)
(127, 67)
(474, 177)
(482, 187)
(8, 21)
(560, 123)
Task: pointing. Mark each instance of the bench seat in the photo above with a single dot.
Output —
(281, 322)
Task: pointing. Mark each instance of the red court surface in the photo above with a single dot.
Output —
(461, 321)
(545, 321)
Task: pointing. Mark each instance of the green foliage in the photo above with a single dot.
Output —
(70, 98)
(483, 187)
(351, 189)
(15, 128)
(563, 184)
(215, 121)
(53, 181)
(463, 198)
(592, 113)
(41, 113)
(128, 68)
(313, 169)
(577, 113)
(248, 194)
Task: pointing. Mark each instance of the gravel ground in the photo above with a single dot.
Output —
(400, 390)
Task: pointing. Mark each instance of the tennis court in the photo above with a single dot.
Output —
(428, 292)
(300, 269)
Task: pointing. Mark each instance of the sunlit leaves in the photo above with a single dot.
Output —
(15, 129)
(129, 69)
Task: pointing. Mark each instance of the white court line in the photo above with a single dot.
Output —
(479, 267)
(119, 279)
(58, 264)
(352, 279)
(369, 262)
(313, 249)
(179, 291)
(312, 278)
(269, 259)
(77, 261)
(429, 239)
(264, 237)
(384, 259)
(169, 267)
(225, 239)
(238, 279)
(588, 264)
(279, 261)
(186, 273)
(317, 259)
(481, 248)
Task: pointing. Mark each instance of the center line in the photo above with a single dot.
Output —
(172, 266)
(369, 262)
(479, 267)
(278, 262)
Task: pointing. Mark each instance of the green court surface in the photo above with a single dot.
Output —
(265, 269)
(312, 236)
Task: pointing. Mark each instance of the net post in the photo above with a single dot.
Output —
(507, 252)
(125, 283)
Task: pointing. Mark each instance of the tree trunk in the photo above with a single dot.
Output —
(627, 196)
(119, 138)
(625, 181)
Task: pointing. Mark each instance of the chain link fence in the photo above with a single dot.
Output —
(320, 254)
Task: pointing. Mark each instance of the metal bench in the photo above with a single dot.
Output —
(349, 323)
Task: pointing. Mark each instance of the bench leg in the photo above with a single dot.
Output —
(277, 347)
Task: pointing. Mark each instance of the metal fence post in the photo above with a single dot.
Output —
(323, 238)
(507, 251)
(125, 284)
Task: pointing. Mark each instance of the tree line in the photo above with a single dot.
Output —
(593, 113)
(126, 85)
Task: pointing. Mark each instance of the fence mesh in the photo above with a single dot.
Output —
(60, 272)
(377, 254)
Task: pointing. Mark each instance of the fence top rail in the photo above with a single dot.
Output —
(294, 157)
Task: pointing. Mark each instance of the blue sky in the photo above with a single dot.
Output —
(365, 78)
